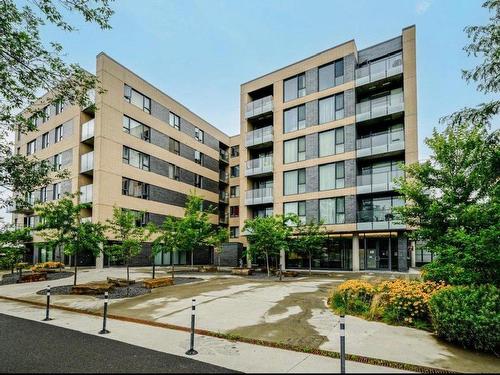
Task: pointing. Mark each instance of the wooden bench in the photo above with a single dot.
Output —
(92, 288)
(116, 281)
(242, 271)
(158, 282)
(31, 277)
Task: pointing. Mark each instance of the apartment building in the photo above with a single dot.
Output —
(324, 138)
(140, 150)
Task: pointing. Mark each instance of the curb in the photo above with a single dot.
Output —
(325, 353)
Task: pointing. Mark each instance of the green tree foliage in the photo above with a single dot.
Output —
(217, 240)
(13, 246)
(128, 235)
(29, 66)
(168, 239)
(61, 227)
(309, 239)
(267, 236)
(454, 198)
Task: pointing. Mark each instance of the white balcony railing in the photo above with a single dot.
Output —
(87, 162)
(259, 107)
(259, 166)
(86, 193)
(259, 196)
(378, 107)
(383, 181)
(259, 136)
(88, 130)
(380, 69)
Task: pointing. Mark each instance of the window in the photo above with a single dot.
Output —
(18, 151)
(234, 211)
(331, 75)
(135, 189)
(198, 181)
(45, 140)
(294, 150)
(331, 142)
(174, 146)
(135, 158)
(57, 163)
(58, 134)
(294, 118)
(198, 134)
(234, 232)
(60, 105)
(332, 210)
(56, 191)
(331, 108)
(136, 98)
(294, 87)
(173, 172)
(235, 171)
(47, 112)
(234, 191)
(31, 147)
(43, 194)
(295, 182)
(174, 121)
(331, 176)
(297, 208)
(235, 151)
(262, 212)
(136, 128)
(198, 157)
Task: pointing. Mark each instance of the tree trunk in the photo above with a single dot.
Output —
(76, 268)
(192, 260)
(173, 270)
(154, 268)
(218, 262)
(12, 270)
(310, 264)
(267, 265)
(128, 278)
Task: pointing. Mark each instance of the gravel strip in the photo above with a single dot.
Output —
(12, 279)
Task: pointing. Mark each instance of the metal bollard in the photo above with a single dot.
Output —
(103, 331)
(342, 344)
(191, 350)
(47, 309)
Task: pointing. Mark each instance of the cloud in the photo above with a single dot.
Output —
(422, 6)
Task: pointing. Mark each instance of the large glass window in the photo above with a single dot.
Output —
(199, 135)
(297, 208)
(31, 147)
(234, 232)
(56, 191)
(331, 75)
(174, 120)
(136, 128)
(235, 151)
(294, 87)
(294, 150)
(331, 176)
(234, 211)
(294, 182)
(294, 118)
(235, 171)
(136, 98)
(332, 210)
(331, 108)
(45, 140)
(331, 142)
(174, 146)
(58, 134)
(234, 191)
(135, 188)
(57, 162)
(135, 158)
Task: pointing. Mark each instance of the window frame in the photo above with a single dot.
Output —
(174, 120)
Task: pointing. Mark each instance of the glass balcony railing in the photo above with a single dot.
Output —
(385, 105)
(87, 162)
(223, 197)
(259, 136)
(259, 196)
(86, 193)
(259, 107)
(380, 69)
(224, 155)
(88, 130)
(224, 219)
(224, 177)
(91, 100)
(378, 219)
(259, 166)
(382, 181)
(380, 143)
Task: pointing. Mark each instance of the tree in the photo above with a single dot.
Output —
(309, 239)
(27, 67)
(129, 236)
(168, 240)
(267, 236)
(61, 227)
(217, 240)
(454, 198)
(13, 245)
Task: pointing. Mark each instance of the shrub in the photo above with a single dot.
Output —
(47, 265)
(468, 316)
(22, 265)
(449, 273)
(352, 296)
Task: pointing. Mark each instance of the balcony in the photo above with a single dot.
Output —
(259, 137)
(259, 196)
(224, 156)
(259, 107)
(375, 182)
(223, 177)
(88, 131)
(224, 197)
(383, 106)
(90, 106)
(378, 219)
(224, 219)
(259, 167)
(25, 208)
(380, 143)
(381, 69)
(86, 193)
(87, 163)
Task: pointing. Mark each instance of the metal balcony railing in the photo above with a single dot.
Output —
(223, 197)
(380, 69)
(385, 105)
(259, 136)
(375, 182)
(380, 143)
(259, 107)
(224, 177)
(259, 166)
(378, 219)
(259, 196)
(224, 155)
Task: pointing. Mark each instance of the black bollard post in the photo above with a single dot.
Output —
(191, 350)
(47, 309)
(103, 331)
(342, 344)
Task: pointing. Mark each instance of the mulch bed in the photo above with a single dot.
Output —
(12, 279)
(135, 290)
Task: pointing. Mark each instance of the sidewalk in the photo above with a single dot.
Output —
(233, 355)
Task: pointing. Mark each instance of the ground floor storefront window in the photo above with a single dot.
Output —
(165, 258)
(382, 251)
(335, 255)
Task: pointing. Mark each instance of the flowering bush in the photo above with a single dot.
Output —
(47, 265)
(352, 296)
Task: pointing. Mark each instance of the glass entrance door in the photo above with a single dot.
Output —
(371, 254)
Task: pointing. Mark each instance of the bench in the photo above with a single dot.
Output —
(31, 277)
(92, 288)
(207, 269)
(159, 282)
(116, 281)
(242, 271)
